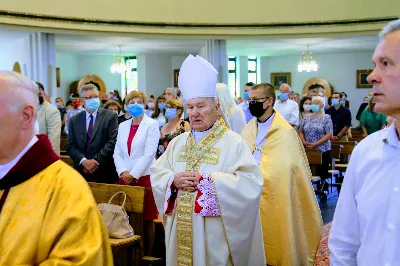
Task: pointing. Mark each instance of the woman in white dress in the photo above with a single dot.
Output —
(233, 113)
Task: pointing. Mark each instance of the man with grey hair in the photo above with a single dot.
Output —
(91, 138)
(170, 93)
(288, 108)
(47, 214)
(211, 160)
(366, 225)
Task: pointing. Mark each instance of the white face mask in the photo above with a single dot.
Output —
(307, 107)
(150, 105)
(321, 94)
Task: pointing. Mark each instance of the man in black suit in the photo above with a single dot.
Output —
(91, 139)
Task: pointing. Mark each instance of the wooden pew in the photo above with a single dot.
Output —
(134, 208)
(63, 144)
(314, 158)
(66, 159)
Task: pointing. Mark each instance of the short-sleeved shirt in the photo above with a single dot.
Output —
(340, 118)
(372, 121)
(289, 109)
(315, 128)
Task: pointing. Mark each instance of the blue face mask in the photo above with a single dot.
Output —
(161, 106)
(136, 110)
(246, 95)
(335, 102)
(170, 113)
(93, 104)
(369, 97)
(315, 108)
(283, 96)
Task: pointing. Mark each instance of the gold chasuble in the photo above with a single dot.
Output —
(49, 216)
(219, 224)
(290, 216)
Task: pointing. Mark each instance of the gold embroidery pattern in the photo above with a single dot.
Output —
(194, 154)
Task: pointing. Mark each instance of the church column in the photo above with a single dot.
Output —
(43, 61)
(214, 51)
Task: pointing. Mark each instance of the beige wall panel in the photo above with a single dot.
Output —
(209, 11)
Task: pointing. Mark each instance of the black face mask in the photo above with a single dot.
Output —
(103, 101)
(256, 109)
(41, 99)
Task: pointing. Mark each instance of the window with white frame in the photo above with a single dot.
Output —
(131, 76)
(252, 69)
(232, 75)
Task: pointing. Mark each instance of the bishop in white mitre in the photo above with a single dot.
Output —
(207, 185)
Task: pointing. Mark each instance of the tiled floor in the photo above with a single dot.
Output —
(327, 208)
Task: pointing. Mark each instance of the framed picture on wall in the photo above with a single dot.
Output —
(58, 77)
(362, 82)
(176, 76)
(277, 79)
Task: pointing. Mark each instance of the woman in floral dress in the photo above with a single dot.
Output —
(174, 127)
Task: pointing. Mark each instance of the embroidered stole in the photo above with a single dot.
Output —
(194, 155)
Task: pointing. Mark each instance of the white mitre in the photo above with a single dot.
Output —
(197, 78)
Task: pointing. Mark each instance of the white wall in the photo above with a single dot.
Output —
(158, 74)
(16, 50)
(99, 65)
(337, 69)
(155, 71)
(68, 64)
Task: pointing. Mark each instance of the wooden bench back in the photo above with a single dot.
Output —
(348, 146)
(133, 205)
(336, 151)
(66, 159)
(63, 143)
(314, 159)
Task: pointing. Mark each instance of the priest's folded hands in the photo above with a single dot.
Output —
(187, 181)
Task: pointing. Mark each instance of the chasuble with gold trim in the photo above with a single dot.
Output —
(43, 222)
(219, 224)
(290, 216)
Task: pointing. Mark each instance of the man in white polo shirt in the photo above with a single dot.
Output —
(289, 109)
(366, 226)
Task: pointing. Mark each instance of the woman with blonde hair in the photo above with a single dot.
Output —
(233, 113)
(174, 127)
(134, 152)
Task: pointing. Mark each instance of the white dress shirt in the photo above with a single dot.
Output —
(366, 225)
(5, 168)
(289, 109)
(199, 135)
(261, 138)
(245, 108)
(161, 120)
(87, 126)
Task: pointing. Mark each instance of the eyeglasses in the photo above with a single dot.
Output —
(253, 101)
(90, 98)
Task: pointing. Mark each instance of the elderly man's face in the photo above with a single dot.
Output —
(88, 95)
(386, 75)
(169, 94)
(16, 118)
(285, 89)
(202, 113)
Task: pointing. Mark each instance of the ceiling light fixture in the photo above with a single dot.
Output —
(307, 63)
(119, 66)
